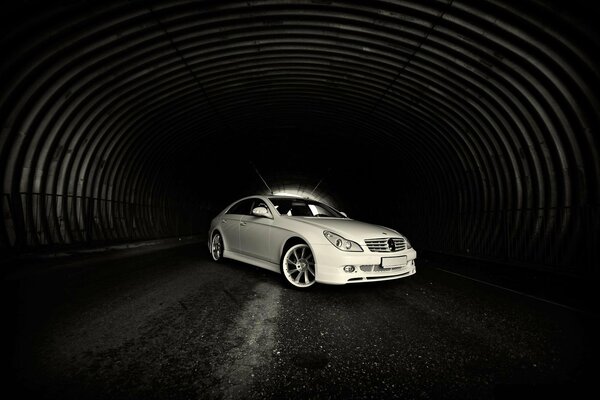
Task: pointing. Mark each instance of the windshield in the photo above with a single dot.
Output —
(303, 208)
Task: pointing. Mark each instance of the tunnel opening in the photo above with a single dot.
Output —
(471, 127)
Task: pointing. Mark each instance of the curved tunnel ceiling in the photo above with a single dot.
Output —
(468, 105)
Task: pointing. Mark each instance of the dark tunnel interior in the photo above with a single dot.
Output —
(470, 126)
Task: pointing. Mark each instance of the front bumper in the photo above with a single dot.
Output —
(330, 264)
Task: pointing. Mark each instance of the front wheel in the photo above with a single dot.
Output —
(298, 266)
(216, 247)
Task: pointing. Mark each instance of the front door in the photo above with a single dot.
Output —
(255, 232)
(230, 224)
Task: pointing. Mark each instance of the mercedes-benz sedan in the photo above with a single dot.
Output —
(308, 241)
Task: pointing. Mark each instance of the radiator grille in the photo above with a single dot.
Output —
(383, 245)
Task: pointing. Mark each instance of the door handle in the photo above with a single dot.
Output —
(224, 221)
(242, 223)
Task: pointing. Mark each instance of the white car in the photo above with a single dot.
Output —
(308, 241)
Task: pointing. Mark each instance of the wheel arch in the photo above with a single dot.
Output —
(291, 241)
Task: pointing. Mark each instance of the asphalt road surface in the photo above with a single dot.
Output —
(172, 324)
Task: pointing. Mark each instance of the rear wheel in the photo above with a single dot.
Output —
(298, 266)
(216, 247)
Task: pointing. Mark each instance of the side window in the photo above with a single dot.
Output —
(300, 209)
(282, 206)
(259, 203)
(241, 207)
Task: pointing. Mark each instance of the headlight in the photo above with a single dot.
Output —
(408, 245)
(341, 243)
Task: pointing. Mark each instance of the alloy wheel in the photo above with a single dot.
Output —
(216, 247)
(298, 266)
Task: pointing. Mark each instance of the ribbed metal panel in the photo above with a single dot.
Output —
(484, 106)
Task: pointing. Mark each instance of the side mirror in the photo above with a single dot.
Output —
(260, 212)
(344, 214)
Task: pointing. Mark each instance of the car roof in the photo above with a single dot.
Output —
(279, 196)
(268, 196)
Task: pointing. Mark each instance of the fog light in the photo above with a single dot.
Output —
(349, 268)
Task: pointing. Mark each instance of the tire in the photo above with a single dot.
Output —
(298, 266)
(216, 247)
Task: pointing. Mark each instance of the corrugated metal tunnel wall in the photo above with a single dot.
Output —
(471, 125)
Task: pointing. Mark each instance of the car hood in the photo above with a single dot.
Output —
(348, 228)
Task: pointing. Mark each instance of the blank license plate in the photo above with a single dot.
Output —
(388, 262)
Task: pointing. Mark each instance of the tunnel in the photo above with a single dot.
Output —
(470, 126)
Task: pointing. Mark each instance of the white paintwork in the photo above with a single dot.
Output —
(260, 241)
